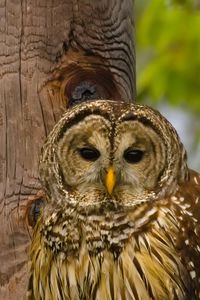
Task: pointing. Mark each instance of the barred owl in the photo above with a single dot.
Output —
(122, 219)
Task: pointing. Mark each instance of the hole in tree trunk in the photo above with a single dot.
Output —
(84, 91)
(81, 77)
(89, 85)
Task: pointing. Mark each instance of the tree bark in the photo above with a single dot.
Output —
(52, 54)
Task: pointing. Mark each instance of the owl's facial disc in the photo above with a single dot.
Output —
(105, 150)
(84, 155)
(139, 158)
(127, 162)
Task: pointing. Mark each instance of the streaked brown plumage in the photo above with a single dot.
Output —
(122, 219)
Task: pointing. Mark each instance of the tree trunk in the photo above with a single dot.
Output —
(52, 54)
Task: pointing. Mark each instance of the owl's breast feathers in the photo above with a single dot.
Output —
(151, 252)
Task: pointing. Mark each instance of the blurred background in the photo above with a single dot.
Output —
(168, 65)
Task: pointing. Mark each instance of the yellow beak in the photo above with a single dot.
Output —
(110, 180)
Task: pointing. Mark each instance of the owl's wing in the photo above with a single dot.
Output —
(188, 218)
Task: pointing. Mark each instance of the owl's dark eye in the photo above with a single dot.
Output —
(89, 154)
(133, 156)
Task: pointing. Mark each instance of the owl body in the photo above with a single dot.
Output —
(122, 213)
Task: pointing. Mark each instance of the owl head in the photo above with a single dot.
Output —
(112, 152)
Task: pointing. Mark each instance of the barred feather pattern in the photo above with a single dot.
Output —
(88, 245)
(152, 252)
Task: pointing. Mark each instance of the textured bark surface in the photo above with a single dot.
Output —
(47, 49)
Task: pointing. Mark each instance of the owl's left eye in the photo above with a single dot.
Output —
(133, 156)
(89, 154)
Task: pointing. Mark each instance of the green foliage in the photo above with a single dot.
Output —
(168, 51)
